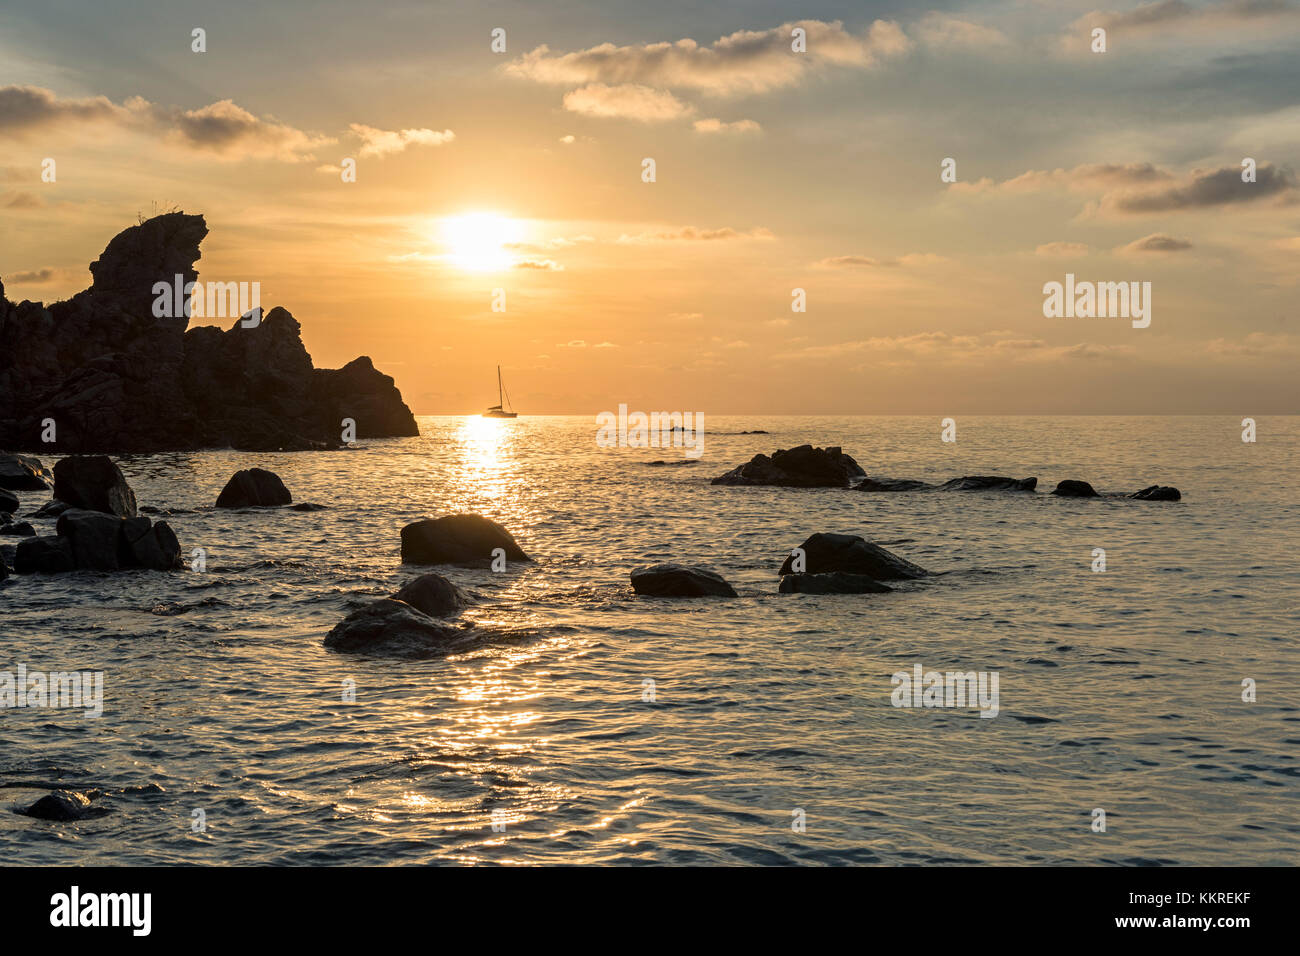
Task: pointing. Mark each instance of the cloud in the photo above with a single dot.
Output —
(1060, 249)
(380, 142)
(1273, 345)
(567, 140)
(1205, 189)
(870, 262)
(21, 201)
(31, 108)
(221, 128)
(1087, 177)
(746, 61)
(1156, 242)
(548, 265)
(1163, 16)
(692, 234)
(945, 32)
(718, 126)
(35, 277)
(572, 344)
(629, 101)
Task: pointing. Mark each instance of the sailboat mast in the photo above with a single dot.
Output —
(498, 386)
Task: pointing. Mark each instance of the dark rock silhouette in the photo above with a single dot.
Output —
(802, 467)
(457, 539)
(847, 552)
(46, 554)
(989, 483)
(117, 378)
(8, 502)
(1075, 489)
(833, 582)
(20, 528)
(93, 483)
(63, 806)
(1158, 493)
(21, 472)
(677, 580)
(893, 484)
(51, 509)
(392, 628)
(254, 487)
(93, 537)
(434, 595)
(307, 506)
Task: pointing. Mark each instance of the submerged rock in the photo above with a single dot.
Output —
(94, 483)
(18, 528)
(8, 502)
(22, 472)
(833, 582)
(1075, 489)
(457, 539)
(254, 487)
(307, 506)
(847, 552)
(434, 595)
(393, 628)
(1158, 493)
(893, 484)
(989, 483)
(677, 580)
(51, 509)
(63, 806)
(802, 467)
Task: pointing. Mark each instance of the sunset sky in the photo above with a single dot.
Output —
(776, 170)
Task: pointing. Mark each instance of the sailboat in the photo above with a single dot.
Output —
(497, 411)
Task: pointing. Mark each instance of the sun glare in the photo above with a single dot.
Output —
(480, 241)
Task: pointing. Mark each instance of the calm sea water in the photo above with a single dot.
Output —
(1119, 690)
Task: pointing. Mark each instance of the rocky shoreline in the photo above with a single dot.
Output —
(100, 372)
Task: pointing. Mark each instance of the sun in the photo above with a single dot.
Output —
(480, 241)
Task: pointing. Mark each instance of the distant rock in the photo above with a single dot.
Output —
(116, 378)
(254, 487)
(457, 539)
(1158, 493)
(834, 582)
(989, 483)
(756, 431)
(307, 506)
(46, 554)
(8, 502)
(22, 472)
(393, 628)
(850, 553)
(1075, 489)
(63, 806)
(677, 580)
(893, 484)
(94, 483)
(802, 467)
(434, 595)
(19, 528)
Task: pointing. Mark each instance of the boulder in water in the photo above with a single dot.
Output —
(393, 628)
(63, 806)
(847, 552)
(434, 595)
(8, 502)
(1075, 489)
(93, 537)
(833, 582)
(677, 580)
(989, 483)
(802, 467)
(45, 554)
(94, 483)
(19, 529)
(457, 539)
(1158, 493)
(254, 487)
(51, 509)
(893, 484)
(151, 546)
(22, 472)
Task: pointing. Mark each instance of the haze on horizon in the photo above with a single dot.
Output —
(775, 170)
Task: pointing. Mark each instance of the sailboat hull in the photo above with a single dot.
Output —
(499, 415)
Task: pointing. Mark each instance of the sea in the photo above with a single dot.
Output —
(1148, 713)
